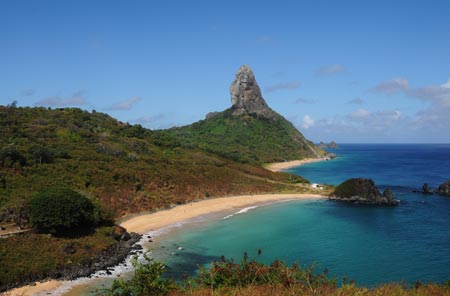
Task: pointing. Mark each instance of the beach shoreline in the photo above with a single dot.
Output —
(280, 166)
(144, 223)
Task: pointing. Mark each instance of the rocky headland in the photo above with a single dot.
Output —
(363, 191)
(331, 145)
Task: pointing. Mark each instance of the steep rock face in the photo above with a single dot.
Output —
(246, 95)
(362, 191)
(444, 188)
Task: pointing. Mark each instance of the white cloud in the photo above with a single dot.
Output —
(307, 122)
(437, 95)
(359, 113)
(331, 69)
(126, 104)
(447, 84)
(282, 86)
(77, 99)
(390, 87)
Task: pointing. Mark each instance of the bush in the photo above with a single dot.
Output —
(147, 280)
(57, 210)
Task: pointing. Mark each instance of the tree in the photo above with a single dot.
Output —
(9, 156)
(58, 210)
(41, 154)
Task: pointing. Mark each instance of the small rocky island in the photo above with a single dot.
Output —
(331, 145)
(443, 189)
(363, 191)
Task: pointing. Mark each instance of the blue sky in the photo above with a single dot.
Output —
(350, 71)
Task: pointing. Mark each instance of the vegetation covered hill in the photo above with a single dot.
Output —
(247, 138)
(250, 131)
(124, 167)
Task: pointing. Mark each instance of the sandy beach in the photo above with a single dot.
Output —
(40, 287)
(279, 166)
(148, 222)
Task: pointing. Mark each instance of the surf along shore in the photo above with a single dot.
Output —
(144, 223)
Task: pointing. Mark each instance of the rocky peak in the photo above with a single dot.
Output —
(246, 96)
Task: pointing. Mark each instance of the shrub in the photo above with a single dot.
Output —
(56, 210)
(147, 280)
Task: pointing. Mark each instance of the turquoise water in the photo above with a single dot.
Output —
(367, 244)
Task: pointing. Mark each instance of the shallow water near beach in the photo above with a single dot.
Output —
(370, 245)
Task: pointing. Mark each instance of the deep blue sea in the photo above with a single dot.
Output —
(370, 245)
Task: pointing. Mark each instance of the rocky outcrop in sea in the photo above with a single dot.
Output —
(444, 188)
(331, 145)
(363, 191)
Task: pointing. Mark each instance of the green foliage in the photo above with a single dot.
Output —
(57, 210)
(226, 273)
(247, 138)
(146, 280)
(9, 156)
(250, 278)
(127, 168)
(41, 154)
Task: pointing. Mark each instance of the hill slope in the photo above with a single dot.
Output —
(246, 138)
(126, 168)
(249, 131)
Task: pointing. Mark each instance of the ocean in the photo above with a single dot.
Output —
(370, 245)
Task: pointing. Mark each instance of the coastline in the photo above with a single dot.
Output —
(150, 222)
(279, 166)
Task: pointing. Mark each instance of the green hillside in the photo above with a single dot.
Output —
(125, 167)
(246, 138)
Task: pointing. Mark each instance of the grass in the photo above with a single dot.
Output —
(126, 168)
(30, 257)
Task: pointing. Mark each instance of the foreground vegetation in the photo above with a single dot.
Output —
(251, 278)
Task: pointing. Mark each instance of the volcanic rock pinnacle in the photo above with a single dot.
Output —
(246, 96)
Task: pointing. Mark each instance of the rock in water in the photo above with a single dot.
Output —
(444, 188)
(246, 96)
(363, 191)
(426, 189)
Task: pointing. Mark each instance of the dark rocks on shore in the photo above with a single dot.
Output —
(120, 234)
(444, 188)
(363, 191)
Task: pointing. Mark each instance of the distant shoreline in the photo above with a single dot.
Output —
(145, 223)
(279, 166)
